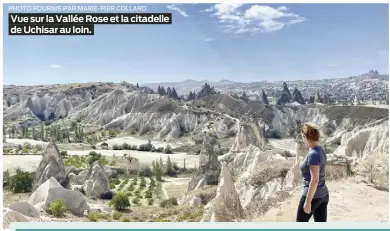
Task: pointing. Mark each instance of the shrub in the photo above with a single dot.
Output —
(129, 194)
(148, 194)
(120, 201)
(168, 150)
(104, 145)
(136, 201)
(57, 208)
(116, 215)
(106, 195)
(145, 171)
(150, 201)
(22, 182)
(64, 153)
(103, 161)
(134, 147)
(27, 145)
(169, 202)
(93, 146)
(130, 188)
(125, 219)
(160, 149)
(116, 147)
(93, 156)
(95, 216)
(143, 183)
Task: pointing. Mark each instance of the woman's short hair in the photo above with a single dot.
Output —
(310, 131)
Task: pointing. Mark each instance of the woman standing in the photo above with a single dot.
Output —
(315, 197)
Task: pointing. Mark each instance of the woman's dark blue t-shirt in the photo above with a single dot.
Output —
(315, 156)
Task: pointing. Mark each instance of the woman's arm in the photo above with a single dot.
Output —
(315, 177)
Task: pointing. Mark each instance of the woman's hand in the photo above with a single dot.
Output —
(307, 207)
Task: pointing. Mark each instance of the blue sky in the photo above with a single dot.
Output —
(251, 42)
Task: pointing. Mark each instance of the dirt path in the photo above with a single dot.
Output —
(349, 202)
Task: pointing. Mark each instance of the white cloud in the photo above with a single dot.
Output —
(55, 66)
(333, 65)
(255, 19)
(206, 39)
(176, 8)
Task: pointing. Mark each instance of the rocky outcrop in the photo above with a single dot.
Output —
(249, 133)
(51, 165)
(51, 190)
(294, 177)
(97, 181)
(297, 97)
(311, 100)
(24, 208)
(209, 165)
(360, 142)
(285, 97)
(326, 99)
(226, 206)
(264, 98)
(317, 98)
(12, 216)
(77, 179)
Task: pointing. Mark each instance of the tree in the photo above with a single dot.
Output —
(137, 85)
(120, 201)
(169, 169)
(168, 150)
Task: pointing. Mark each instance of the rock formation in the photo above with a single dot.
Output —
(311, 100)
(97, 181)
(209, 165)
(285, 97)
(317, 98)
(24, 208)
(360, 142)
(226, 206)
(264, 98)
(326, 99)
(297, 97)
(356, 101)
(51, 165)
(51, 190)
(293, 177)
(249, 133)
(12, 216)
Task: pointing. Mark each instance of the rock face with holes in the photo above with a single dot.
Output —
(209, 165)
(51, 165)
(226, 206)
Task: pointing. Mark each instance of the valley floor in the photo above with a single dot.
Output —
(349, 202)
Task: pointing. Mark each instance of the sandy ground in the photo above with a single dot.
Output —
(25, 162)
(138, 141)
(175, 187)
(285, 144)
(23, 141)
(349, 202)
(31, 162)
